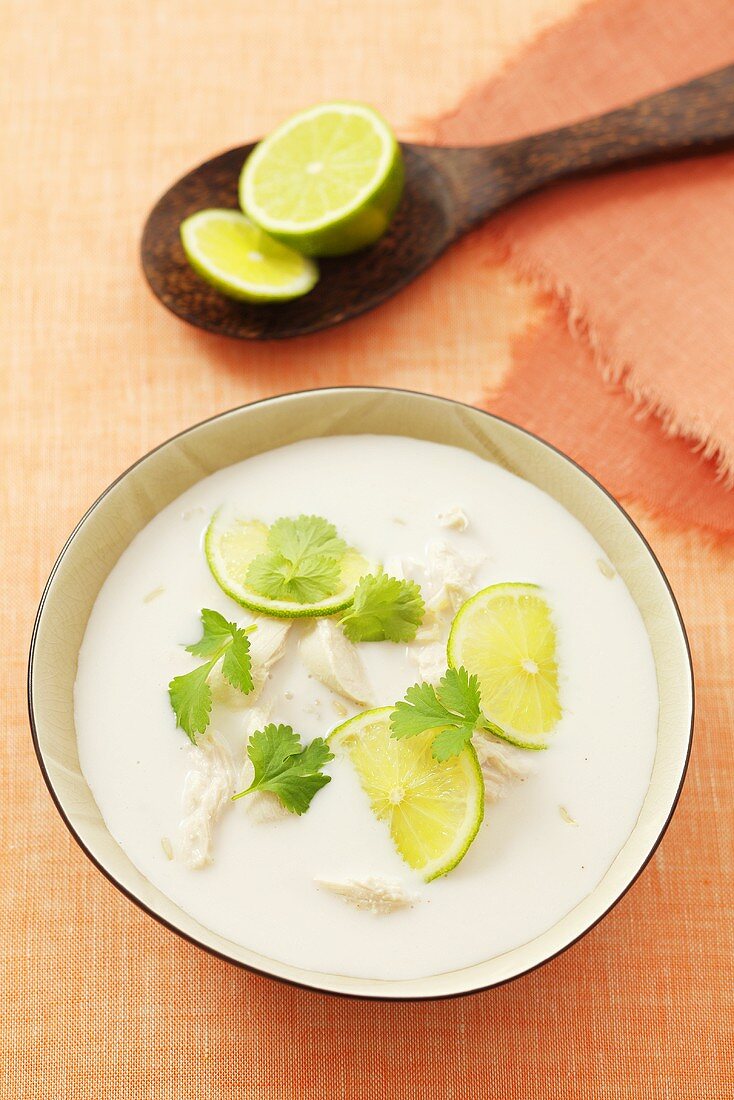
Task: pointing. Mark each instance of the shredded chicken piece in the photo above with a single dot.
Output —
(403, 568)
(450, 574)
(263, 807)
(409, 569)
(335, 661)
(267, 646)
(502, 765)
(430, 657)
(208, 787)
(454, 517)
(446, 580)
(256, 719)
(374, 894)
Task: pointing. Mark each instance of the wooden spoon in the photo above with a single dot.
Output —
(447, 192)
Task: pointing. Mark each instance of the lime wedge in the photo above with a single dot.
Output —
(231, 543)
(505, 636)
(433, 810)
(241, 261)
(327, 181)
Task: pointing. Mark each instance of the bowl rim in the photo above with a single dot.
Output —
(261, 971)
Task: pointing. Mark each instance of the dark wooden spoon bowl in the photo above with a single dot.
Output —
(447, 192)
(422, 228)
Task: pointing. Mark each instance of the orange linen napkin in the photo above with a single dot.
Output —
(641, 262)
(555, 391)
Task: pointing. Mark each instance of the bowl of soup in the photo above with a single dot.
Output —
(365, 690)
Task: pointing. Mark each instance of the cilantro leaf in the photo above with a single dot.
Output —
(296, 792)
(270, 748)
(450, 741)
(216, 633)
(453, 710)
(297, 538)
(459, 692)
(420, 711)
(237, 663)
(314, 578)
(191, 699)
(287, 769)
(384, 608)
(190, 694)
(302, 562)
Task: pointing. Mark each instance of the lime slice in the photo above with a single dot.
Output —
(433, 810)
(505, 636)
(230, 544)
(241, 261)
(327, 181)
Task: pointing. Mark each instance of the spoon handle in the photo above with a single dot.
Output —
(693, 118)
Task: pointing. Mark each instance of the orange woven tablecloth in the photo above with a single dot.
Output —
(103, 106)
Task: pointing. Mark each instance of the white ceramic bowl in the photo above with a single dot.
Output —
(148, 486)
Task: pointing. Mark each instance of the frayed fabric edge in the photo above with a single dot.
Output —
(646, 399)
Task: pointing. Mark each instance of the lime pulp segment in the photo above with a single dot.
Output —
(505, 636)
(232, 254)
(433, 809)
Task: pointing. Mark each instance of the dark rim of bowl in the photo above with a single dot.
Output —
(255, 969)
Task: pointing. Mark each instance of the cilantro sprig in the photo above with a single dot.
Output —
(190, 694)
(384, 609)
(282, 765)
(301, 563)
(453, 709)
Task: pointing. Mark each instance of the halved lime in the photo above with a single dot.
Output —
(243, 262)
(505, 636)
(230, 545)
(433, 809)
(327, 181)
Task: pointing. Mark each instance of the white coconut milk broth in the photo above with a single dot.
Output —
(541, 849)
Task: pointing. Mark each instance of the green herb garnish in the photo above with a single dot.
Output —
(453, 710)
(287, 769)
(302, 562)
(384, 609)
(191, 696)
